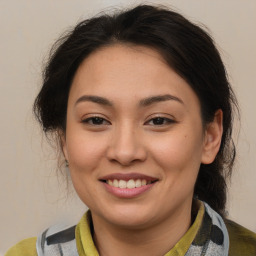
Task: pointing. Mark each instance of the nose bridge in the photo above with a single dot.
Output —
(126, 145)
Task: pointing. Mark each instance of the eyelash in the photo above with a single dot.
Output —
(92, 119)
(163, 121)
(159, 121)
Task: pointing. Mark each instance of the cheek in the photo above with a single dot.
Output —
(179, 158)
(85, 156)
(179, 154)
(84, 151)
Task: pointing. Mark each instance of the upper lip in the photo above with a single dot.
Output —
(128, 176)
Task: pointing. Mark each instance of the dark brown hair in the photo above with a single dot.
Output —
(187, 49)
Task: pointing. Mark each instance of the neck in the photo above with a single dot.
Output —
(155, 240)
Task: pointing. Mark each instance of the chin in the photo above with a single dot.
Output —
(130, 217)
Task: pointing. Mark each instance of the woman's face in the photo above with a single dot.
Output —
(134, 138)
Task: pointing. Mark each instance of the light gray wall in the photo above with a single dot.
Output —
(31, 198)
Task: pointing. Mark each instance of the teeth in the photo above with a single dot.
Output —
(128, 184)
(122, 184)
(115, 183)
(143, 182)
(138, 183)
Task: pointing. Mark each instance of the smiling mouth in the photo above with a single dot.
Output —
(131, 183)
(128, 185)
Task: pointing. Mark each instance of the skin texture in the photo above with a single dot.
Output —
(162, 139)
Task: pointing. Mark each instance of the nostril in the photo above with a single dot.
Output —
(126, 159)
(126, 149)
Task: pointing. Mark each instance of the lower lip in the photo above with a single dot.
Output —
(128, 192)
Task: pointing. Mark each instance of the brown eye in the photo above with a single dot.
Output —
(160, 121)
(95, 121)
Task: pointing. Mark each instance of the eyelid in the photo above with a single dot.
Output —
(88, 117)
(168, 120)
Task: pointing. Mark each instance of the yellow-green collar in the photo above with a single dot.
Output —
(86, 246)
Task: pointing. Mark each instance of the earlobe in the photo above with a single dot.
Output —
(63, 144)
(213, 135)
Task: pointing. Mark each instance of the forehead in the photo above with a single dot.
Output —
(125, 72)
(120, 61)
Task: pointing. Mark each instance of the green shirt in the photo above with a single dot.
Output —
(242, 241)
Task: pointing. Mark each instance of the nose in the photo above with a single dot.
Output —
(126, 146)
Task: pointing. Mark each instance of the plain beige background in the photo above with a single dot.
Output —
(31, 197)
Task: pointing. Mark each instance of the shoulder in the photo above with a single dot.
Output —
(57, 239)
(26, 247)
(242, 240)
(50, 240)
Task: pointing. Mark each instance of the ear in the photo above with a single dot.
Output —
(212, 140)
(63, 144)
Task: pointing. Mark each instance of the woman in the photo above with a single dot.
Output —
(143, 110)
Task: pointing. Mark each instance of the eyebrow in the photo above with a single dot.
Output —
(95, 99)
(144, 102)
(159, 98)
